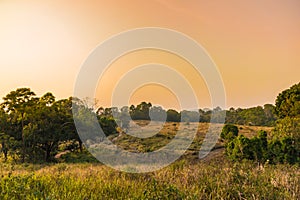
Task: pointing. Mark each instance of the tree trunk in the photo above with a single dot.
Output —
(47, 154)
(23, 139)
(5, 151)
(80, 146)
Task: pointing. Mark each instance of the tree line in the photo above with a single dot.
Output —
(36, 128)
(256, 116)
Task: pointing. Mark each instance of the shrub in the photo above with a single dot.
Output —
(239, 148)
(283, 151)
(108, 125)
(229, 132)
(244, 148)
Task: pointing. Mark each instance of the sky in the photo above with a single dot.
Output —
(254, 43)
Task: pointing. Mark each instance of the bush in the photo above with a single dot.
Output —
(260, 146)
(252, 149)
(283, 151)
(277, 150)
(108, 125)
(285, 143)
(239, 148)
(229, 132)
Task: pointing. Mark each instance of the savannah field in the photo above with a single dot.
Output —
(79, 176)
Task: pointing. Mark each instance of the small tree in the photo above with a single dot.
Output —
(229, 132)
(173, 116)
(239, 148)
(259, 146)
(244, 148)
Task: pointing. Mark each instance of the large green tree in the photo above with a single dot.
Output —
(287, 128)
(141, 111)
(18, 105)
(50, 122)
(288, 102)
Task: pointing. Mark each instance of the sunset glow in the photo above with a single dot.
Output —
(255, 45)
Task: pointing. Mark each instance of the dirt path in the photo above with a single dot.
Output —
(214, 154)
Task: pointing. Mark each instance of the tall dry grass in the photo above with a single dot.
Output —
(181, 180)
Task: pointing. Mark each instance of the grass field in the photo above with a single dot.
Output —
(214, 177)
(181, 180)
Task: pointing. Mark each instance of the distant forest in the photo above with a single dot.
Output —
(256, 116)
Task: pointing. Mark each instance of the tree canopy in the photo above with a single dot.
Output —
(288, 102)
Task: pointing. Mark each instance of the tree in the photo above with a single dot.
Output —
(253, 116)
(173, 116)
(63, 109)
(229, 132)
(283, 151)
(286, 138)
(157, 113)
(259, 145)
(141, 111)
(287, 128)
(18, 105)
(3, 136)
(239, 148)
(205, 115)
(288, 102)
(255, 148)
(124, 118)
(270, 114)
(47, 129)
(4, 142)
(258, 116)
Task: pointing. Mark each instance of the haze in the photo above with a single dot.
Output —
(255, 44)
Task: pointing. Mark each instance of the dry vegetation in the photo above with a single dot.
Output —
(214, 177)
(181, 180)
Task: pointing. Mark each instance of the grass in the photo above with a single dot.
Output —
(168, 132)
(80, 176)
(181, 180)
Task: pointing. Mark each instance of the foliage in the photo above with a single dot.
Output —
(286, 134)
(18, 106)
(242, 147)
(285, 144)
(173, 116)
(108, 125)
(288, 102)
(258, 148)
(239, 148)
(283, 151)
(202, 180)
(32, 128)
(229, 132)
(141, 111)
(256, 116)
(157, 113)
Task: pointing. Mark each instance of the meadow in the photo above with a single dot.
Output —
(79, 176)
(213, 179)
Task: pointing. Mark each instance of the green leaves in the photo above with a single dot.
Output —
(229, 132)
(288, 102)
(242, 147)
(37, 125)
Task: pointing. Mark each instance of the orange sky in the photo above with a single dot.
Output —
(255, 44)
